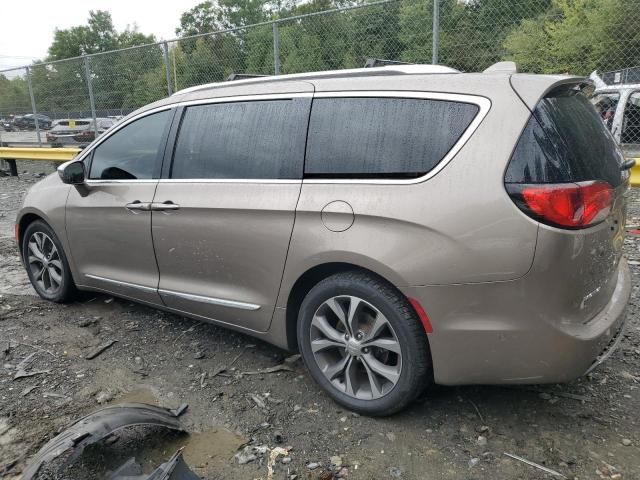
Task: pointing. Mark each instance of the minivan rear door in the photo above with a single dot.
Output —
(224, 210)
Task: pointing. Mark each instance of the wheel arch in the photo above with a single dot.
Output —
(23, 223)
(306, 281)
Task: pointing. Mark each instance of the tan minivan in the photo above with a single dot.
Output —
(398, 225)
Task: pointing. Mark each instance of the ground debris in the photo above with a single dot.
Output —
(535, 465)
(21, 369)
(250, 453)
(99, 349)
(277, 368)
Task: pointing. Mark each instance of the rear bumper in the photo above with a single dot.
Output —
(490, 333)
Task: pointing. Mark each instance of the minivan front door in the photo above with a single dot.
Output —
(223, 217)
(109, 219)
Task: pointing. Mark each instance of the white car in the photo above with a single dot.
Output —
(617, 98)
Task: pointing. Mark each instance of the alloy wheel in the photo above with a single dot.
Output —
(355, 347)
(44, 263)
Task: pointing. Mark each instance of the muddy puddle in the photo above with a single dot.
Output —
(151, 447)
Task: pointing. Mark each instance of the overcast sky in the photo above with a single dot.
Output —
(28, 25)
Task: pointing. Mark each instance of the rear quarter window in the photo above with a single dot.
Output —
(382, 137)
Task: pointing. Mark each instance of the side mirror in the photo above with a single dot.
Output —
(72, 172)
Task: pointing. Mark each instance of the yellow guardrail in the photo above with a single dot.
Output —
(635, 174)
(49, 154)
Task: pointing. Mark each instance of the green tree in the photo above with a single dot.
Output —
(578, 36)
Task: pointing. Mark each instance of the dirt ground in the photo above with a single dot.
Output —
(584, 429)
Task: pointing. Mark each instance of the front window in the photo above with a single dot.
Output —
(133, 152)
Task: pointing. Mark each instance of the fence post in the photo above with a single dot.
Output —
(33, 105)
(436, 32)
(276, 48)
(167, 71)
(92, 103)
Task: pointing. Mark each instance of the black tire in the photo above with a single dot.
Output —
(415, 373)
(66, 291)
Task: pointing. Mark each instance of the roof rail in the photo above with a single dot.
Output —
(242, 76)
(402, 69)
(379, 62)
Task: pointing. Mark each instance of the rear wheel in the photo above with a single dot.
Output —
(363, 343)
(46, 263)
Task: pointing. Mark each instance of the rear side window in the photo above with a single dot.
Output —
(382, 137)
(242, 140)
(565, 140)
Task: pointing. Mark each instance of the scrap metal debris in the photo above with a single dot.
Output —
(535, 465)
(173, 469)
(98, 425)
(24, 364)
(99, 349)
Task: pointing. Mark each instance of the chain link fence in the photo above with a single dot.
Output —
(542, 36)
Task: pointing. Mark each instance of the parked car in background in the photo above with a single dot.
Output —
(77, 132)
(617, 99)
(398, 226)
(28, 122)
(6, 124)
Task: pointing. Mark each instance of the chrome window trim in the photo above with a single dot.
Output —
(211, 300)
(107, 182)
(483, 103)
(229, 180)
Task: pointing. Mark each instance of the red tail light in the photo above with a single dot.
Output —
(86, 136)
(565, 205)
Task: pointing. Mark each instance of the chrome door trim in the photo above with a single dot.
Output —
(483, 103)
(211, 300)
(121, 283)
(187, 296)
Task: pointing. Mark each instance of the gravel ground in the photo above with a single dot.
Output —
(584, 429)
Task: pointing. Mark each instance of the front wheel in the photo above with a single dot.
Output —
(46, 263)
(363, 343)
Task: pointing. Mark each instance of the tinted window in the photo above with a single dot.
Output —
(382, 137)
(243, 140)
(565, 141)
(133, 152)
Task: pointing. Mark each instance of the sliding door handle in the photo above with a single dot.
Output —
(138, 205)
(161, 207)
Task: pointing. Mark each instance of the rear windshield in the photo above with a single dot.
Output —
(565, 141)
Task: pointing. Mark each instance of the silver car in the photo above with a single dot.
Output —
(77, 132)
(398, 226)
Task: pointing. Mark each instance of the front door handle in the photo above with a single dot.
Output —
(138, 205)
(161, 207)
